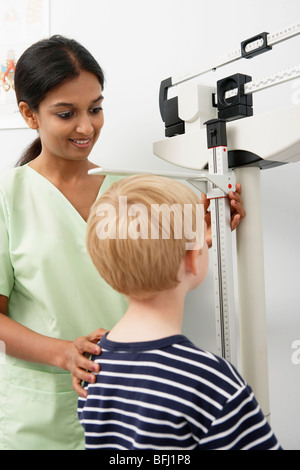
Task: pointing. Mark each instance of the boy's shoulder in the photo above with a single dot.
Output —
(207, 361)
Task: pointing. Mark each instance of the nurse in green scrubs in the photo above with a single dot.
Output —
(52, 300)
(51, 296)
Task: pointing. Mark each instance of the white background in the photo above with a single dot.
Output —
(139, 43)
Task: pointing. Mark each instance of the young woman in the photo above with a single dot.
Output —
(50, 291)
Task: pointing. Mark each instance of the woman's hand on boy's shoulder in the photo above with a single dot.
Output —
(78, 360)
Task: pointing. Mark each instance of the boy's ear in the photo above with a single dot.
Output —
(29, 115)
(191, 261)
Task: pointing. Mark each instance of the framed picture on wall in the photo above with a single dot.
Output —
(22, 22)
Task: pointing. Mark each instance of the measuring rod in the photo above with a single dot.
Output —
(221, 242)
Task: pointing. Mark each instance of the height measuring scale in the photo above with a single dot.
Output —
(196, 140)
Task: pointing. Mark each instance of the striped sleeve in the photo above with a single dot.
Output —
(240, 426)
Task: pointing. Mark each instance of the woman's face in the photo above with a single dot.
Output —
(70, 118)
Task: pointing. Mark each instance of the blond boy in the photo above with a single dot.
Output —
(156, 390)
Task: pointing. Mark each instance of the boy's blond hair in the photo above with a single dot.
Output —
(142, 262)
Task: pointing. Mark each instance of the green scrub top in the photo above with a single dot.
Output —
(55, 290)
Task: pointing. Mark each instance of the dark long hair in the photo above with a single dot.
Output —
(42, 67)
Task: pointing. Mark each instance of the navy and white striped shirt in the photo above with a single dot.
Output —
(169, 394)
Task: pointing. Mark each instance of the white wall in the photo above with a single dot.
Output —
(140, 43)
